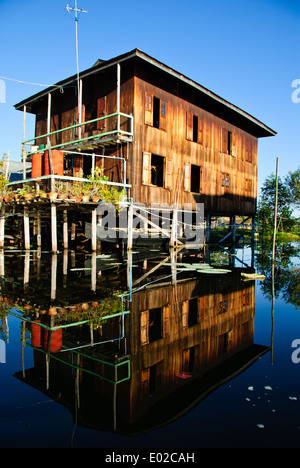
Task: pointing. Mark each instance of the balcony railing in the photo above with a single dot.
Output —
(119, 128)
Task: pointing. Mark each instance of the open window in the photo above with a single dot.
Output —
(157, 170)
(194, 128)
(195, 178)
(155, 111)
(229, 142)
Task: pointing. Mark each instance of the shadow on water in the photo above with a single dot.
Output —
(130, 343)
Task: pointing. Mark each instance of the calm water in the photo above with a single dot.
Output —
(189, 359)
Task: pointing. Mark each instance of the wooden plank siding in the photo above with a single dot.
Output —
(174, 142)
(198, 332)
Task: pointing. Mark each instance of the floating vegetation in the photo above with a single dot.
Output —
(199, 268)
(253, 276)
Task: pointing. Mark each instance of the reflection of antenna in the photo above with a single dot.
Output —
(76, 10)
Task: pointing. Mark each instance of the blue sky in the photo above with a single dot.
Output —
(246, 51)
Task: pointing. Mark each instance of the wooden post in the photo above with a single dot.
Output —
(208, 228)
(94, 229)
(118, 95)
(38, 230)
(2, 227)
(173, 239)
(94, 272)
(26, 229)
(65, 229)
(53, 228)
(53, 276)
(130, 227)
(233, 228)
(23, 146)
(275, 213)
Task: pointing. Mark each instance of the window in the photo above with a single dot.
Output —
(229, 142)
(248, 187)
(195, 178)
(194, 128)
(155, 324)
(225, 180)
(155, 112)
(157, 170)
(249, 151)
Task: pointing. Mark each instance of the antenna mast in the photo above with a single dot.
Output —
(76, 10)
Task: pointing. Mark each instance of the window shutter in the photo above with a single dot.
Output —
(163, 115)
(185, 314)
(234, 146)
(169, 173)
(189, 126)
(101, 107)
(187, 177)
(144, 327)
(249, 151)
(203, 176)
(166, 320)
(146, 177)
(200, 131)
(145, 377)
(148, 109)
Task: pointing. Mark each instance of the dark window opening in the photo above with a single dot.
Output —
(229, 143)
(156, 111)
(193, 312)
(157, 170)
(90, 114)
(155, 324)
(152, 380)
(195, 178)
(87, 165)
(195, 128)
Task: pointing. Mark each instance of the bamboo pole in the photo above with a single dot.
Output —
(275, 211)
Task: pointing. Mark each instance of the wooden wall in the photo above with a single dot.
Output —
(192, 341)
(173, 142)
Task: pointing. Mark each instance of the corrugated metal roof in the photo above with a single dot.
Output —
(219, 106)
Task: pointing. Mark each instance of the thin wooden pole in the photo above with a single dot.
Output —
(275, 211)
(65, 229)
(118, 95)
(53, 228)
(94, 229)
(174, 227)
(2, 227)
(130, 227)
(23, 146)
(38, 230)
(26, 229)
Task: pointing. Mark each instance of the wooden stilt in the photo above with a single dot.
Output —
(65, 229)
(2, 227)
(208, 228)
(53, 228)
(94, 230)
(26, 229)
(173, 240)
(130, 227)
(38, 230)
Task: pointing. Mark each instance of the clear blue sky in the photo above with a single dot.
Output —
(247, 51)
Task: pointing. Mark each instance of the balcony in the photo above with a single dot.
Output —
(110, 129)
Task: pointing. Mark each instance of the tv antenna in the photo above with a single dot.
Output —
(76, 11)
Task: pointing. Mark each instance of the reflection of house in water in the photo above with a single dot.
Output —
(138, 370)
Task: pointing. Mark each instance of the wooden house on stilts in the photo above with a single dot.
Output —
(167, 141)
